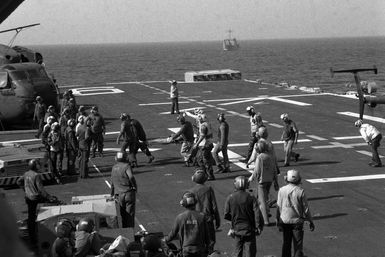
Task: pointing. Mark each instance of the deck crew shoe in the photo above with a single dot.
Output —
(296, 157)
(220, 169)
(151, 158)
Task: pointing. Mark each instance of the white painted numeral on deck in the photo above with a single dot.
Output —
(86, 91)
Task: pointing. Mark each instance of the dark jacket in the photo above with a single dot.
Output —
(207, 203)
(242, 210)
(223, 133)
(32, 186)
(186, 132)
(191, 228)
(122, 179)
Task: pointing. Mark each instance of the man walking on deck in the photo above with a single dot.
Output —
(174, 95)
(255, 123)
(123, 189)
(186, 134)
(221, 146)
(290, 137)
(372, 137)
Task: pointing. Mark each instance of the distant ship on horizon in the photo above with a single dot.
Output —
(230, 43)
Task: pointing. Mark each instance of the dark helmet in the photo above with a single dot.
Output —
(199, 176)
(188, 200)
(86, 224)
(152, 243)
(124, 116)
(121, 156)
(64, 227)
(82, 108)
(33, 164)
(70, 92)
(94, 109)
(51, 107)
(39, 99)
(241, 183)
(181, 119)
(221, 116)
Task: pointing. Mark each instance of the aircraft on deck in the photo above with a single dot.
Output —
(22, 77)
(364, 95)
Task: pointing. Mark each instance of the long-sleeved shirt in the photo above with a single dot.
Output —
(290, 131)
(223, 133)
(122, 179)
(40, 110)
(32, 185)
(292, 205)
(173, 91)
(186, 132)
(368, 132)
(242, 210)
(265, 169)
(191, 228)
(207, 203)
(270, 150)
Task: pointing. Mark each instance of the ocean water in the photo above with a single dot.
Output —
(303, 62)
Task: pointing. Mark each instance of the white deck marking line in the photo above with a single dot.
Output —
(210, 105)
(348, 137)
(206, 92)
(116, 149)
(367, 153)
(19, 141)
(238, 114)
(245, 101)
(182, 102)
(228, 99)
(343, 179)
(221, 109)
(337, 144)
(97, 169)
(275, 125)
(184, 110)
(365, 117)
(316, 137)
(288, 101)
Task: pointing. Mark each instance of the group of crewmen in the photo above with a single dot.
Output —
(247, 212)
(73, 132)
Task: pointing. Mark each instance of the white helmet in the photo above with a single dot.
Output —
(50, 119)
(358, 123)
(202, 117)
(284, 116)
(293, 176)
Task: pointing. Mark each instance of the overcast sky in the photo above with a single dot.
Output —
(119, 21)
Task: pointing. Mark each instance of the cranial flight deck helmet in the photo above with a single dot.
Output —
(284, 116)
(358, 123)
(188, 200)
(199, 176)
(241, 183)
(293, 176)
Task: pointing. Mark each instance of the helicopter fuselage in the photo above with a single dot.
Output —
(20, 83)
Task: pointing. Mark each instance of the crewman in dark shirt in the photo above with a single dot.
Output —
(190, 227)
(207, 204)
(84, 136)
(124, 188)
(221, 146)
(186, 135)
(87, 241)
(35, 193)
(241, 209)
(72, 147)
(98, 129)
(129, 134)
(38, 115)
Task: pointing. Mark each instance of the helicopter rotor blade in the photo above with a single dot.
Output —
(20, 28)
